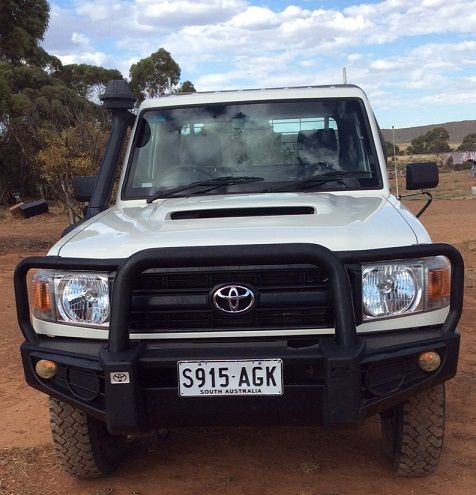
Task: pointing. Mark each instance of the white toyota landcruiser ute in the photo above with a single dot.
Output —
(254, 268)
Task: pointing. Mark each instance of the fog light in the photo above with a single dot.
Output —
(46, 369)
(429, 361)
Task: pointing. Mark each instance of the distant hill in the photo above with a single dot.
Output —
(457, 130)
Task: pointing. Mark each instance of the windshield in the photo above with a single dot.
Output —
(278, 143)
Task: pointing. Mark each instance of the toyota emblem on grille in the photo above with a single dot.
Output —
(234, 299)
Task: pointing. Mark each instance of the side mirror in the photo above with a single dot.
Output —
(422, 175)
(83, 187)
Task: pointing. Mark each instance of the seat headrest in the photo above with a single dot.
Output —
(317, 146)
(203, 150)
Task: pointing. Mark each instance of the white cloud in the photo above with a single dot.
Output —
(152, 16)
(310, 34)
(101, 10)
(204, 30)
(430, 59)
(235, 43)
(92, 58)
(256, 18)
(401, 18)
(187, 12)
(80, 39)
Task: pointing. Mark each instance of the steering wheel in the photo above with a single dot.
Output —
(183, 175)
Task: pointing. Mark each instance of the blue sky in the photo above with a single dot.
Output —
(415, 60)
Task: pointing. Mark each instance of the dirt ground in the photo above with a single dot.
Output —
(295, 461)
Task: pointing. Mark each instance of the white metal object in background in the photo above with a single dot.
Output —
(395, 162)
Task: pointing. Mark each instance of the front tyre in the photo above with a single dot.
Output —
(83, 445)
(413, 432)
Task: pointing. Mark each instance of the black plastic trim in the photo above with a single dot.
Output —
(243, 212)
(328, 395)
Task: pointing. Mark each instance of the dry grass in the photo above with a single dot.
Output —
(453, 145)
(24, 244)
(453, 185)
(468, 245)
(309, 467)
(23, 471)
(19, 467)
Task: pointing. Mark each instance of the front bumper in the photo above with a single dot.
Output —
(321, 386)
(329, 380)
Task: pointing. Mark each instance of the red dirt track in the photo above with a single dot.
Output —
(294, 461)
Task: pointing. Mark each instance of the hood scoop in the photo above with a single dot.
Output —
(242, 212)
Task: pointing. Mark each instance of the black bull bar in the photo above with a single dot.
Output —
(343, 356)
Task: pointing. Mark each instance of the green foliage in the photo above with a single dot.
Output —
(51, 126)
(434, 141)
(39, 98)
(186, 87)
(74, 151)
(22, 26)
(32, 101)
(5, 96)
(88, 81)
(390, 149)
(469, 143)
(149, 77)
(24, 76)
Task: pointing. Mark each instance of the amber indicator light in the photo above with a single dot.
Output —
(439, 283)
(41, 295)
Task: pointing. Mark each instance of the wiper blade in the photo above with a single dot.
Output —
(211, 183)
(319, 179)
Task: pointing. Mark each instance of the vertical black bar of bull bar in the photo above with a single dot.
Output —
(22, 301)
(270, 254)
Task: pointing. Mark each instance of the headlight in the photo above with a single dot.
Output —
(389, 290)
(403, 287)
(80, 298)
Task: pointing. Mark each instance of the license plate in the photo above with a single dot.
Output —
(226, 378)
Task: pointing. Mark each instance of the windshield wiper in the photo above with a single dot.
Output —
(319, 179)
(210, 183)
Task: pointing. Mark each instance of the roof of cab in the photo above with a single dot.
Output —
(250, 95)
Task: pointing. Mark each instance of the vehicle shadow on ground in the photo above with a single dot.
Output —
(252, 459)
